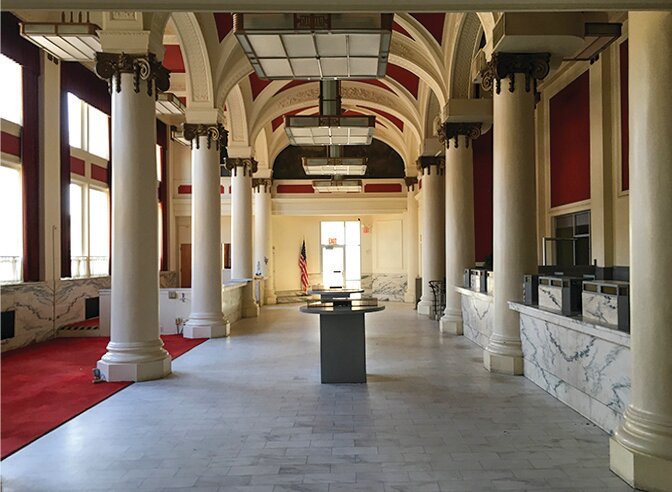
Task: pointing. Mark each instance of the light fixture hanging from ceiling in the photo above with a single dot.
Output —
(169, 104)
(315, 46)
(76, 40)
(337, 185)
(334, 166)
(330, 127)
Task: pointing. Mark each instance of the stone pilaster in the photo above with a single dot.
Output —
(206, 319)
(263, 247)
(459, 251)
(641, 447)
(241, 228)
(431, 168)
(135, 351)
(411, 237)
(514, 235)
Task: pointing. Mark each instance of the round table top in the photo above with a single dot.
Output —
(340, 310)
(335, 291)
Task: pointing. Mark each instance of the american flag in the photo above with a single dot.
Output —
(303, 266)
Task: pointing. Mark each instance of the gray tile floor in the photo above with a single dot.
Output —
(248, 413)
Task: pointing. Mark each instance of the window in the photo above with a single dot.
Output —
(88, 128)
(11, 88)
(89, 230)
(572, 239)
(11, 224)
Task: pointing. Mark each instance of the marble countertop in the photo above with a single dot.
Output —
(339, 311)
(479, 295)
(335, 291)
(575, 323)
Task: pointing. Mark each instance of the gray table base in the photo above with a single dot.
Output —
(343, 348)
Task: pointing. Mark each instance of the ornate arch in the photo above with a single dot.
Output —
(463, 53)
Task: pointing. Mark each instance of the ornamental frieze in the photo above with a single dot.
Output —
(145, 68)
(212, 133)
(535, 67)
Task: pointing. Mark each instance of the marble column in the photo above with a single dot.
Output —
(135, 351)
(263, 248)
(514, 197)
(641, 447)
(459, 175)
(241, 228)
(432, 229)
(411, 238)
(206, 319)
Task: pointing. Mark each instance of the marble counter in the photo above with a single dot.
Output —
(389, 286)
(477, 312)
(583, 364)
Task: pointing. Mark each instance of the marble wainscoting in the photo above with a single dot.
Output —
(584, 365)
(232, 301)
(600, 308)
(477, 312)
(175, 307)
(389, 286)
(169, 280)
(71, 296)
(550, 298)
(367, 283)
(33, 306)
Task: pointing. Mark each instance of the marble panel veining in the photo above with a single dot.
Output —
(169, 280)
(550, 298)
(601, 308)
(389, 286)
(477, 312)
(367, 283)
(232, 303)
(71, 296)
(33, 303)
(588, 373)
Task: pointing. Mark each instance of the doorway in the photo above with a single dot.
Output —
(185, 265)
(341, 260)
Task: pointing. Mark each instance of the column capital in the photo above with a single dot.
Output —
(248, 165)
(213, 133)
(426, 162)
(262, 185)
(144, 67)
(411, 182)
(449, 130)
(535, 66)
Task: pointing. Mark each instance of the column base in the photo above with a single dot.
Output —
(135, 361)
(503, 364)
(426, 308)
(271, 299)
(250, 308)
(640, 471)
(206, 327)
(451, 325)
(409, 296)
(640, 451)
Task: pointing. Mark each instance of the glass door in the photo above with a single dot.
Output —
(333, 266)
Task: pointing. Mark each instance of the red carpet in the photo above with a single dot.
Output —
(46, 384)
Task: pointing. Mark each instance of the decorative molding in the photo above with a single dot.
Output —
(262, 184)
(448, 131)
(463, 54)
(145, 67)
(411, 182)
(535, 66)
(426, 162)
(123, 15)
(248, 164)
(212, 133)
(195, 57)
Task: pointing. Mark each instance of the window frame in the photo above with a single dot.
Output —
(15, 165)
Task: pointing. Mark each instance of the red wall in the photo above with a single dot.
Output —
(625, 124)
(483, 196)
(570, 143)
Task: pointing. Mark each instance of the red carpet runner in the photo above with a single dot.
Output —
(47, 384)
